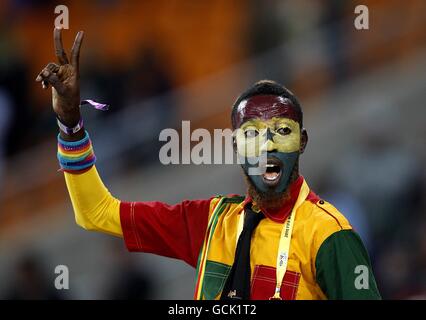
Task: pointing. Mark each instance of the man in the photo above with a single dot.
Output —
(280, 241)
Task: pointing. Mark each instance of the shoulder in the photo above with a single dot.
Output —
(220, 201)
(321, 219)
(230, 198)
(325, 214)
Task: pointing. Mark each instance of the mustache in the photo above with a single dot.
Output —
(270, 198)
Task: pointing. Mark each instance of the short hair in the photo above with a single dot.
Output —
(268, 87)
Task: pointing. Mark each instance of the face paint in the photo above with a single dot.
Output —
(279, 139)
(264, 107)
(257, 136)
(284, 162)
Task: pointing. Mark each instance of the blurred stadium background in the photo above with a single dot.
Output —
(160, 62)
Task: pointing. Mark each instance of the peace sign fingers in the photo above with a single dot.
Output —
(59, 48)
(75, 51)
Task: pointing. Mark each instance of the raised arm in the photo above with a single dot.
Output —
(175, 231)
(94, 207)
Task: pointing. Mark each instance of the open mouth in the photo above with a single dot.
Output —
(273, 172)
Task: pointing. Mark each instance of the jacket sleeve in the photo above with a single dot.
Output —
(94, 206)
(343, 268)
(175, 231)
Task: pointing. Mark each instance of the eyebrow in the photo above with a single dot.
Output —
(281, 122)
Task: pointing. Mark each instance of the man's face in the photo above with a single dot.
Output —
(268, 129)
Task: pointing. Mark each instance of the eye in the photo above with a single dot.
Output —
(251, 133)
(284, 131)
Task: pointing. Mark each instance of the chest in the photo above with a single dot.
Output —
(299, 279)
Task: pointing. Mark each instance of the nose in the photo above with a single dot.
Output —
(269, 135)
(268, 144)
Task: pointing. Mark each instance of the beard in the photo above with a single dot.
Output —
(271, 199)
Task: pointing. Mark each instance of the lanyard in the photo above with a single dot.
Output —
(285, 238)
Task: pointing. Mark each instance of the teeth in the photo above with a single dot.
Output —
(268, 165)
(271, 176)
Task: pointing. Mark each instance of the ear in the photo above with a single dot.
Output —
(303, 140)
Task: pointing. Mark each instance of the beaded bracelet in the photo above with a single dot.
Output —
(76, 156)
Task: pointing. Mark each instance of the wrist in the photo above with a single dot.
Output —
(72, 137)
(70, 119)
(74, 132)
(70, 122)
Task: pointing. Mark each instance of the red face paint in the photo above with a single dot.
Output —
(264, 107)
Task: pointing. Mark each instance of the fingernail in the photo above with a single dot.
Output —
(45, 73)
(38, 78)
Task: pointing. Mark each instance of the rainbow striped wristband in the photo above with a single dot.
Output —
(76, 156)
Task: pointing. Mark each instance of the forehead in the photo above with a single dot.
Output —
(265, 107)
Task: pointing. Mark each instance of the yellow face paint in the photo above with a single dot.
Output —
(252, 137)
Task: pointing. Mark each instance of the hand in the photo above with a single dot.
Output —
(65, 80)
